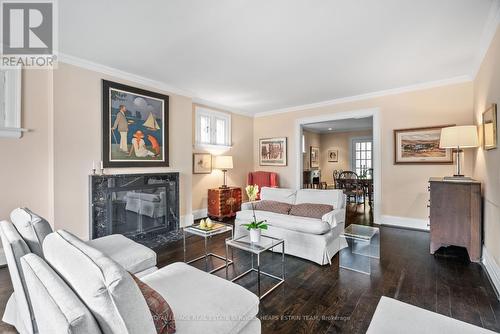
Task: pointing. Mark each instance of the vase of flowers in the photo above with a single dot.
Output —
(255, 227)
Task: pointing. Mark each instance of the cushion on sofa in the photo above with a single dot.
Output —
(131, 255)
(31, 227)
(104, 286)
(273, 206)
(163, 317)
(333, 197)
(295, 223)
(56, 307)
(282, 195)
(201, 302)
(310, 210)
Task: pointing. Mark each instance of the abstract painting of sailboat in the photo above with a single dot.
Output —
(151, 123)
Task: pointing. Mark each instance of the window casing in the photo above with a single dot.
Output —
(10, 103)
(212, 127)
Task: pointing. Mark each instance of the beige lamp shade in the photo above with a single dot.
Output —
(463, 136)
(223, 162)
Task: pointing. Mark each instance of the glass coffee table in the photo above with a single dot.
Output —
(207, 235)
(256, 249)
(363, 245)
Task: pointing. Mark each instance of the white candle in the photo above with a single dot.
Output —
(102, 166)
(93, 165)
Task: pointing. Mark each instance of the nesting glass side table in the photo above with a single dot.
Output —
(256, 249)
(363, 245)
(207, 235)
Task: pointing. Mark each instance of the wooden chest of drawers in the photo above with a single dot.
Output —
(224, 202)
(455, 215)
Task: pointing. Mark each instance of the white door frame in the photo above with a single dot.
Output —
(360, 113)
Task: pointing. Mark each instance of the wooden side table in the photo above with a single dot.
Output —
(224, 202)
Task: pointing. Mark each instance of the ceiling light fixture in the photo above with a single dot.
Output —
(330, 129)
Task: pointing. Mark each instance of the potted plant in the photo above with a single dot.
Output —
(254, 227)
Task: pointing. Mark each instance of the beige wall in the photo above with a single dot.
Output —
(77, 142)
(310, 139)
(340, 141)
(436, 106)
(487, 163)
(24, 171)
(241, 151)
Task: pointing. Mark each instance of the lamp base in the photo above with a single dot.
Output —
(223, 187)
(457, 178)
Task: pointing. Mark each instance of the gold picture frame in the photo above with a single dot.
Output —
(490, 128)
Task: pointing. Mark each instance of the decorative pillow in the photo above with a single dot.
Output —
(163, 316)
(310, 210)
(273, 206)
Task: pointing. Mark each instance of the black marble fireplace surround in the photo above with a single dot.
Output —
(143, 207)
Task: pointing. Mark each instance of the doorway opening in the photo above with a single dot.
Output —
(342, 151)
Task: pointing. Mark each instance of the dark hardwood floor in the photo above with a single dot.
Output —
(326, 299)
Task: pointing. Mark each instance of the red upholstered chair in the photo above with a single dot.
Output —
(263, 179)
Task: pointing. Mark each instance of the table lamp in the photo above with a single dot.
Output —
(458, 138)
(223, 162)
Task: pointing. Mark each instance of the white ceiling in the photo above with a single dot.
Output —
(341, 125)
(262, 55)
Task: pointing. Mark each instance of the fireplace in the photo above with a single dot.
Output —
(142, 207)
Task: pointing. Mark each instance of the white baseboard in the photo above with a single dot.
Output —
(201, 213)
(405, 222)
(186, 220)
(492, 269)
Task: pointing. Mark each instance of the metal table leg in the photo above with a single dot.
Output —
(206, 254)
(184, 243)
(258, 274)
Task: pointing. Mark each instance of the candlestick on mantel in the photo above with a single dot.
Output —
(93, 167)
(102, 168)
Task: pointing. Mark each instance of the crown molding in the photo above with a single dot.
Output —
(111, 71)
(489, 30)
(393, 91)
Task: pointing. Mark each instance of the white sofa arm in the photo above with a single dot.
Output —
(335, 217)
(247, 205)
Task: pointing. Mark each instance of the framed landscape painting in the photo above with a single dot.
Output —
(420, 146)
(490, 128)
(135, 127)
(273, 151)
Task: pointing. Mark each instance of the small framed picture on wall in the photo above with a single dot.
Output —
(333, 155)
(314, 157)
(202, 163)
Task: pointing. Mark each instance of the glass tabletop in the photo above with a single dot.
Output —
(360, 231)
(195, 229)
(244, 243)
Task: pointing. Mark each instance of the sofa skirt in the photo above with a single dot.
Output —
(319, 248)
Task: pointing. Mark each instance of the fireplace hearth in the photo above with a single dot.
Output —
(142, 207)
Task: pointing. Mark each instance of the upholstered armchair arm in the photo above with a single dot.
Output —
(247, 205)
(334, 217)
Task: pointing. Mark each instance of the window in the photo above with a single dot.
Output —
(212, 127)
(361, 155)
(10, 103)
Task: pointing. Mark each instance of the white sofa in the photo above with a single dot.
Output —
(85, 291)
(317, 240)
(26, 236)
